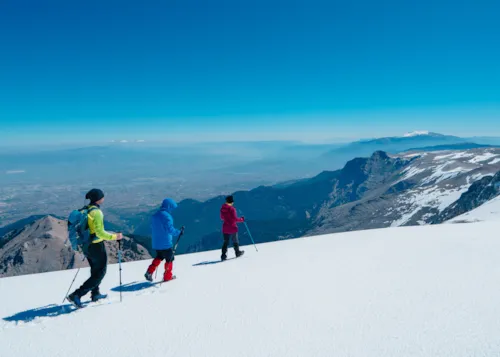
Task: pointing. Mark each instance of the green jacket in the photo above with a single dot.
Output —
(96, 226)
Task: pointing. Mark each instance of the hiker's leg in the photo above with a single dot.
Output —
(101, 268)
(236, 243)
(169, 264)
(92, 258)
(225, 245)
(156, 262)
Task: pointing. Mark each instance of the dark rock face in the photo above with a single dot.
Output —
(479, 192)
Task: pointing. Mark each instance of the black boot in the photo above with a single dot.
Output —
(75, 300)
(237, 251)
(96, 296)
(224, 251)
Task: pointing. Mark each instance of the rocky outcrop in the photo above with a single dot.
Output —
(478, 193)
(41, 246)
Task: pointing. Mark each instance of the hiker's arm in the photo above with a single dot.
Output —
(236, 218)
(170, 226)
(99, 227)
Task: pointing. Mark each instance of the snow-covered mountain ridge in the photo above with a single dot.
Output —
(439, 179)
(416, 194)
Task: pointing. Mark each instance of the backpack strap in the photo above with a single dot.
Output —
(91, 208)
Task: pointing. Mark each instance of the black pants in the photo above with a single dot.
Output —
(236, 243)
(98, 261)
(167, 254)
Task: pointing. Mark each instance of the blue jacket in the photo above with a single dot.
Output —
(162, 226)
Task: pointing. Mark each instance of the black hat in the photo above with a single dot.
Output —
(229, 199)
(94, 195)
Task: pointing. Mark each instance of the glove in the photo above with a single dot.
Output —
(182, 228)
(243, 218)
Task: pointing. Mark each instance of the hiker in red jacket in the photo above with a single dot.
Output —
(230, 227)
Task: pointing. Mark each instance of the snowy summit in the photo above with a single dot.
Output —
(417, 133)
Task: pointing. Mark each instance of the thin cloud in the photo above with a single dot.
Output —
(15, 172)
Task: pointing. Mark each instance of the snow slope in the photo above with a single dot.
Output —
(489, 211)
(411, 291)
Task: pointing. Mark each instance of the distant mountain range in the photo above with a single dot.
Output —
(139, 175)
(421, 178)
(379, 191)
(394, 144)
(460, 146)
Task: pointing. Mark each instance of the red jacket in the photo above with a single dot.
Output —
(228, 215)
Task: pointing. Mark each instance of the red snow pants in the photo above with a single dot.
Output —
(168, 255)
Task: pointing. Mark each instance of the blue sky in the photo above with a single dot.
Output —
(192, 70)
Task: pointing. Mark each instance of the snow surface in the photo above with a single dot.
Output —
(411, 171)
(412, 291)
(441, 173)
(414, 155)
(489, 211)
(454, 156)
(484, 157)
(416, 133)
(427, 197)
(495, 161)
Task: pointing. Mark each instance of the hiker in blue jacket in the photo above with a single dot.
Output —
(163, 232)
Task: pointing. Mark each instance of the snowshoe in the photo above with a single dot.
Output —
(240, 253)
(173, 278)
(75, 300)
(98, 297)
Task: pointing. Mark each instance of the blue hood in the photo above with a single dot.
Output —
(168, 205)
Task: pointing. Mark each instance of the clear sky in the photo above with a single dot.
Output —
(261, 69)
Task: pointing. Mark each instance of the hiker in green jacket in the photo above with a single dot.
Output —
(96, 255)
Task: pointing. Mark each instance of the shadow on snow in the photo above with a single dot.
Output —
(135, 286)
(44, 311)
(212, 262)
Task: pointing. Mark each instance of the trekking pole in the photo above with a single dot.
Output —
(178, 239)
(71, 285)
(120, 266)
(73, 281)
(249, 233)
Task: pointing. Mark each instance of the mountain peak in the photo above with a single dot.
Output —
(40, 245)
(420, 133)
(379, 154)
